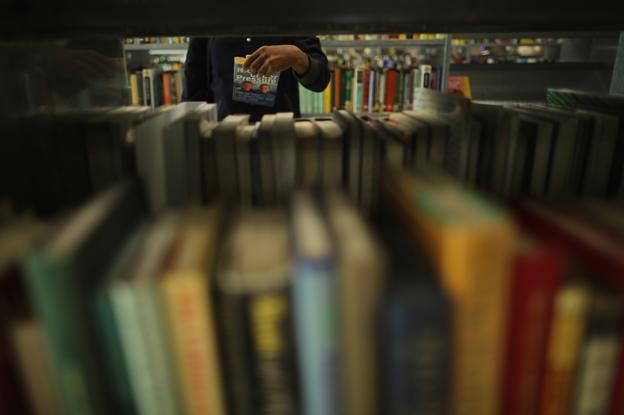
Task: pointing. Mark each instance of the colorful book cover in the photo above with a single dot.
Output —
(253, 89)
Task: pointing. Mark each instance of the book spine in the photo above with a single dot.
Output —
(425, 76)
(141, 87)
(357, 90)
(158, 348)
(415, 355)
(112, 349)
(564, 345)
(269, 316)
(480, 298)
(147, 90)
(617, 405)
(236, 346)
(166, 88)
(398, 97)
(193, 335)
(137, 360)
(178, 82)
(337, 88)
(317, 338)
(599, 356)
(173, 88)
(407, 90)
(372, 90)
(348, 89)
(366, 89)
(535, 280)
(33, 360)
(134, 89)
(54, 298)
(327, 99)
(391, 89)
(381, 97)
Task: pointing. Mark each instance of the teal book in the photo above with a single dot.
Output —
(348, 89)
(123, 401)
(136, 303)
(62, 272)
(315, 310)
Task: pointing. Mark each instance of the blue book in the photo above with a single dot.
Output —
(315, 311)
(415, 350)
(414, 330)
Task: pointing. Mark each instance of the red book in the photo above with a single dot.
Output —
(590, 244)
(366, 87)
(617, 406)
(391, 79)
(166, 88)
(537, 273)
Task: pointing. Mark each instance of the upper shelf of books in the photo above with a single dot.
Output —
(50, 18)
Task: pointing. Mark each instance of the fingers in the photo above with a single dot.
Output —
(266, 69)
(253, 57)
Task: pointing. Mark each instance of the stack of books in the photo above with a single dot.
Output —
(316, 265)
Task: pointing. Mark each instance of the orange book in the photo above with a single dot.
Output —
(166, 88)
(337, 87)
(185, 291)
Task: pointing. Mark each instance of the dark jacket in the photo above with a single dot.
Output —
(209, 67)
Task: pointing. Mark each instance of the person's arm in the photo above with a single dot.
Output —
(304, 57)
(196, 86)
(317, 75)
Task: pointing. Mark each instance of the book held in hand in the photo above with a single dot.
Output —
(253, 89)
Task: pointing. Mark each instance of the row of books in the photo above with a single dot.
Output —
(169, 40)
(154, 86)
(367, 88)
(547, 151)
(183, 154)
(442, 303)
(428, 36)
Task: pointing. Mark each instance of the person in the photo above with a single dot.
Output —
(209, 69)
(265, 88)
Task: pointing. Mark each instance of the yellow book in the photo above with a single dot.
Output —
(570, 314)
(185, 290)
(134, 89)
(471, 244)
(327, 99)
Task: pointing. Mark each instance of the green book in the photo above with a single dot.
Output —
(62, 273)
(398, 94)
(348, 88)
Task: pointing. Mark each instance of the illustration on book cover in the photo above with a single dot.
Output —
(253, 89)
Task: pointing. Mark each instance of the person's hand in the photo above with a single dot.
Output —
(268, 60)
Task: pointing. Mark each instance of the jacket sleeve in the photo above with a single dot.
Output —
(317, 76)
(196, 87)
